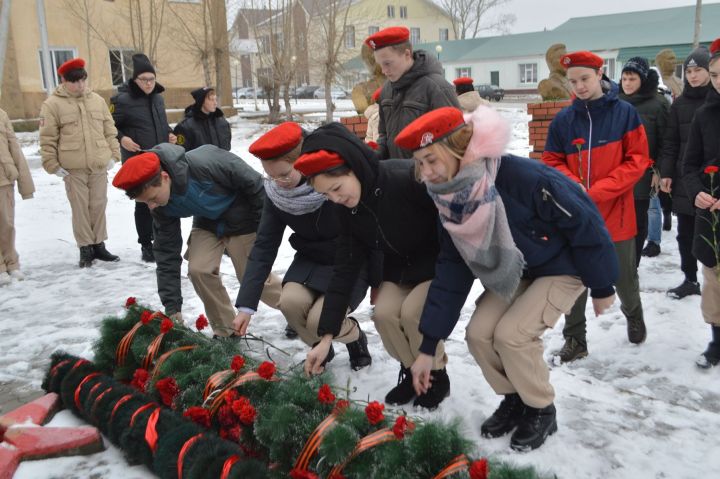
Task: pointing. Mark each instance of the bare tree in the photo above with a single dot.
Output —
(698, 23)
(146, 22)
(196, 41)
(470, 17)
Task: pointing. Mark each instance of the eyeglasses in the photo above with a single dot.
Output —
(146, 80)
(279, 179)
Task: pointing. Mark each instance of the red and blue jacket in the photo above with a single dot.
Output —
(602, 145)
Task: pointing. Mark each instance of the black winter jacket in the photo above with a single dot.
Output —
(314, 239)
(222, 193)
(421, 89)
(653, 109)
(394, 227)
(199, 128)
(703, 150)
(141, 117)
(682, 112)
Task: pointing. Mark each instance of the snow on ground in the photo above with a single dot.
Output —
(626, 411)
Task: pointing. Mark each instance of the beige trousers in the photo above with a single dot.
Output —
(397, 320)
(87, 193)
(204, 254)
(9, 259)
(302, 306)
(504, 338)
(710, 299)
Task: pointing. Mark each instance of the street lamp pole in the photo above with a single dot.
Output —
(438, 49)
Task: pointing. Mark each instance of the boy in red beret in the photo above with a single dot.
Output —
(415, 77)
(78, 143)
(224, 195)
(467, 96)
(600, 143)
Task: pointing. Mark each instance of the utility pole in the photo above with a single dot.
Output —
(4, 23)
(47, 64)
(698, 23)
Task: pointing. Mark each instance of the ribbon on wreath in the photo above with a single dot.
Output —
(457, 464)
(381, 436)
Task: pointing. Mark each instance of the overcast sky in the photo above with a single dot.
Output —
(535, 15)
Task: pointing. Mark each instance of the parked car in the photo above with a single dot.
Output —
(491, 92)
(306, 91)
(335, 93)
(246, 92)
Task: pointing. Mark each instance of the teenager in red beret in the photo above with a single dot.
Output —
(700, 175)
(468, 98)
(388, 221)
(224, 196)
(533, 239)
(290, 202)
(416, 85)
(78, 143)
(600, 143)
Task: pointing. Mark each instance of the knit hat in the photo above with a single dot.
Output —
(141, 64)
(700, 57)
(137, 170)
(200, 94)
(637, 65)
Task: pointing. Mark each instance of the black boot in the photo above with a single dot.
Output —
(358, 351)
(636, 330)
(404, 392)
(146, 251)
(687, 288)
(103, 254)
(290, 333)
(651, 249)
(534, 427)
(87, 254)
(505, 418)
(667, 220)
(439, 390)
(711, 356)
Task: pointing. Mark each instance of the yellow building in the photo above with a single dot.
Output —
(106, 33)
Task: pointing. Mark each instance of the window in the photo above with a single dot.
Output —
(58, 56)
(391, 11)
(444, 34)
(403, 12)
(120, 65)
(414, 35)
(528, 73)
(463, 72)
(349, 36)
(264, 44)
(609, 66)
(680, 71)
(373, 29)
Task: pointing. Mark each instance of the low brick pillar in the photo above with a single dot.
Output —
(542, 115)
(357, 124)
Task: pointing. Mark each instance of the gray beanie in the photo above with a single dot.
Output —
(700, 57)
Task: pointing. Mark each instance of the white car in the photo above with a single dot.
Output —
(336, 93)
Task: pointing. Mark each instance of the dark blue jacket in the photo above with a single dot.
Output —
(553, 222)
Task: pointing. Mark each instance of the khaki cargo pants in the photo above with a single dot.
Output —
(87, 193)
(9, 259)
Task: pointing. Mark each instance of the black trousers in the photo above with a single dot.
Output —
(686, 232)
(641, 217)
(143, 223)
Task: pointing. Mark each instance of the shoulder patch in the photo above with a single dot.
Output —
(180, 139)
(112, 107)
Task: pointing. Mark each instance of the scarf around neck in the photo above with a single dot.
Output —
(296, 201)
(473, 213)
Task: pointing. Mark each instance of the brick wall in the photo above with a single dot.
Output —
(542, 114)
(356, 124)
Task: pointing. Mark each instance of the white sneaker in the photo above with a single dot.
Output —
(5, 279)
(17, 275)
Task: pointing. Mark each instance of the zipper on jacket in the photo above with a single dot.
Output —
(546, 194)
(587, 186)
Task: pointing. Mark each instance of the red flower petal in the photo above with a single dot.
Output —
(166, 325)
(130, 301)
(201, 322)
(266, 370)
(237, 363)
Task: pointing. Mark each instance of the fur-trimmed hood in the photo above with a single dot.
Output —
(491, 134)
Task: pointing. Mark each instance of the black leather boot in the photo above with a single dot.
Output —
(103, 254)
(404, 392)
(505, 418)
(359, 353)
(534, 427)
(147, 254)
(439, 390)
(87, 255)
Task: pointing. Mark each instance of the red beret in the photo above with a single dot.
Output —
(715, 47)
(315, 162)
(582, 59)
(278, 141)
(388, 36)
(73, 64)
(376, 94)
(429, 128)
(463, 81)
(373, 145)
(137, 170)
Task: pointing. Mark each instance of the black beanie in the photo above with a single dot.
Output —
(141, 64)
(700, 57)
(200, 94)
(638, 65)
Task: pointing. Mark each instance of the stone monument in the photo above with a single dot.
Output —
(555, 86)
(362, 93)
(666, 60)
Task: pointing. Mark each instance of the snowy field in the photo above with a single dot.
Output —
(626, 411)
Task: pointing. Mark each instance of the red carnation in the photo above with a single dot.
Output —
(166, 325)
(231, 433)
(225, 416)
(479, 469)
(266, 370)
(237, 363)
(247, 414)
(238, 404)
(711, 170)
(302, 474)
(140, 378)
(578, 141)
(168, 389)
(201, 322)
(325, 395)
(374, 412)
(198, 415)
(402, 426)
(341, 406)
(146, 317)
(131, 301)
(231, 396)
